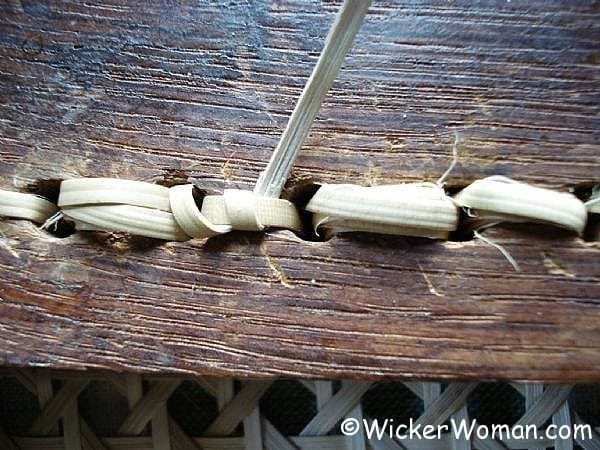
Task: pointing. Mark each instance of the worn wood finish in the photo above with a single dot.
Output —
(167, 93)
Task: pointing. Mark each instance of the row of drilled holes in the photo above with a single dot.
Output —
(300, 194)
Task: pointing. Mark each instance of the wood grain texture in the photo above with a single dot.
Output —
(169, 92)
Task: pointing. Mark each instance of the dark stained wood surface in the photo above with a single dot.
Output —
(200, 91)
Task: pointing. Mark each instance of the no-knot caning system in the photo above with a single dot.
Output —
(415, 209)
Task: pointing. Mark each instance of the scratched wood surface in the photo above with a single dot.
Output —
(170, 92)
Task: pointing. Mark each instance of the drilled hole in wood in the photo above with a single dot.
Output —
(300, 193)
(464, 231)
(61, 229)
(198, 195)
(583, 191)
(451, 191)
(50, 189)
(466, 224)
(592, 228)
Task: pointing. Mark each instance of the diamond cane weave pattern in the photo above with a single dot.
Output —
(104, 411)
